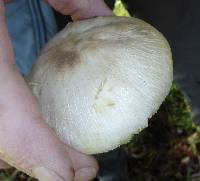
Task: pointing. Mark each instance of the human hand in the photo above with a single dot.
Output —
(81, 9)
(26, 142)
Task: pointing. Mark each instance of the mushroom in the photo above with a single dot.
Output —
(100, 80)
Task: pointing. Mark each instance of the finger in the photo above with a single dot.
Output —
(85, 166)
(66, 7)
(83, 9)
(90, 8)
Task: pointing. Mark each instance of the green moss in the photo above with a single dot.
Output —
(169, 148)
(120, 10)
(179, 110)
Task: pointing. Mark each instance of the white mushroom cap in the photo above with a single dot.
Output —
(100, 80)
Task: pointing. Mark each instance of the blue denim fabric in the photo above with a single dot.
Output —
(31, 24)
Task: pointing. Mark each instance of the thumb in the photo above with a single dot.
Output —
(43, 156)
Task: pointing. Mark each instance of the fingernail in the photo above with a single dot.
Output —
(44, 174)
(85, 174)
